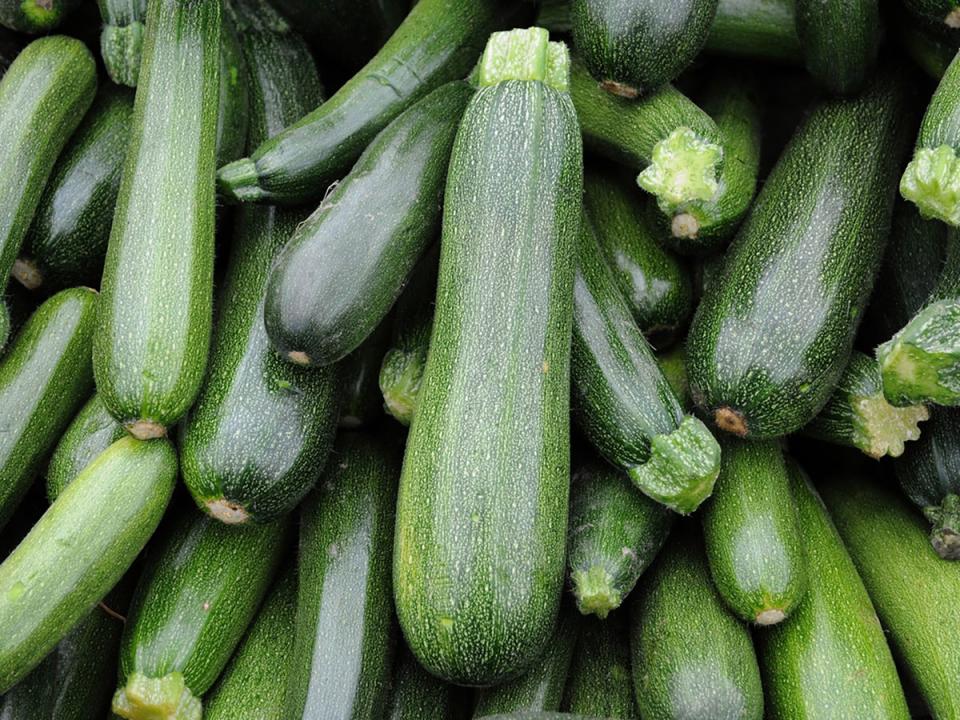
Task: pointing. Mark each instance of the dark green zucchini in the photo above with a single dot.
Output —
(600, 682)
(438, 42)
(614, 534)
(621, 399)
(673, 365)
(345, 266)
(690, 656)
(79, 549)
(44, 379)
(831, 659)
(417, 694)
(234, 97)
(153, 330)
(43, 98)
(930, 54)
(35, 16)
(234, 470)
(770, 340)
(121, 40)
(198, 593)
(344, 640)
(752, 537)
(842, 67)
(635, 46)
(482, 507)
(655, 283)
(761, 29)
(914, 591)
(68, 236)
(360, 404)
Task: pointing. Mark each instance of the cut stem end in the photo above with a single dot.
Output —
(166, 698)
(146, 430)
(731, 421)
(227, 512)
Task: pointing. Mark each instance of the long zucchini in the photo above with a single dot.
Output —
(121, 40)
(600, 681)
(840, 67)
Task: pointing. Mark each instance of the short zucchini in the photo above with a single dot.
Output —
(600, 681)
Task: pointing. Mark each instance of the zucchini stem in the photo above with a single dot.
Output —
(945, 535)
(684, 170)
(932, 182)
(594, 592)
(525, 55)
(239, 181)
(166, 698)
(400, 377)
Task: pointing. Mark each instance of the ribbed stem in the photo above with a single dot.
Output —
(166, 698)
(594, 591)
(932, 182)
(685, 169)
(525, 55)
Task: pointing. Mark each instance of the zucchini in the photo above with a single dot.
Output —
(621, 399)
(840, 67)
(752, 536)
(635, 46)
(201, 587)
(233, 98)
(673, 365)
(345, 266)
(614, 534)
(251, 687)
(655, 283)
(43, 97)
(600, 682)
(831, 660)
(417, 694)
(35, 16)
(79, 549)
(714, 677)
(153, 332)
(761, 29)
(121, 40)
(235, 471)
(68, 236)
(344, 639)
(913, 590)
(482, 507)
(44, 379)
(770, 340)
(541, 687)
(930, 54)
(438, 42)
(859, 416)
(359, 381)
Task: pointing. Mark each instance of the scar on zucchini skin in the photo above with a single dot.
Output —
(227, 512)
(620, 89)
(298, 357)
(731, 421)
(146, 430)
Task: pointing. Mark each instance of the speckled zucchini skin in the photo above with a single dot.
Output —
(830, 660)
(418, 694)
(234, 94)
(35, 16)
(839, 66)
(771, 338)
(121, 40)
(763, 29)
(600, 683)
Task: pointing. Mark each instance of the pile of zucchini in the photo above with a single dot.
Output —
(584, 359)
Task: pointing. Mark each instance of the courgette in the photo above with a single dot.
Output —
(346, 265)
(417, 694)
(770, 340)
(79, 549)
(121, 40)
(438, 42)
(482, 506)
(235, 470)
(673, 365)
(360, 404)
(35, 16)
(840, 67)
(914, 591)
(600, 681)
(44, 378)
(831, 659)
(153, 332)
(762, 29)
(690, 656)
(234, 95)
(343, 646)
(930, 54)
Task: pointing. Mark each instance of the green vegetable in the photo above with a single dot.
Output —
(762, 29)
(942, 16)
(121, 40)
(673, 365)
(931, 54)
(600, 682)
(839, 65)
(417, 694)
(360, 404)
(35, 16)
(234, 92)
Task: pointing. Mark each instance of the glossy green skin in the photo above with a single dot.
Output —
(751, 534)
(91, 432)
(153, 330)
(600, 682)
(359, 381)
(231, 466)
(43, 97)
(914, 591)
(541, 687)
(342, 655)
(44, 379)
(121, 41)
(840, 67)
(770, 340)
(763, 29)
(655, 283)
(439, 41)
(234, 97)
(640, 44)
(347, 264)
(199, 591)
(615, 533)
(80, 548)
(35, 16)
(929, 470)
(417, 694)
(941, 121)
(67, 240)
(830, 660)
(715, 677)
(491, 423)
(251, 687)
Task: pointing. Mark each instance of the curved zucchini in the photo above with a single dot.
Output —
(35, 16)
(417, 694)
(770, 340)
(79, 549)
(600, 682)
(841, 67)
(914, 591)
(68, 236)
(614, 534)
(198, 593)
(482, 506)
(762, 29)
(235, 470)
(831, 659)
(345, 266)
(438, 42)
(343, 648)
(153, 332)
(715, 676)
(44, 379)
(121, 40)
(360, 404)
